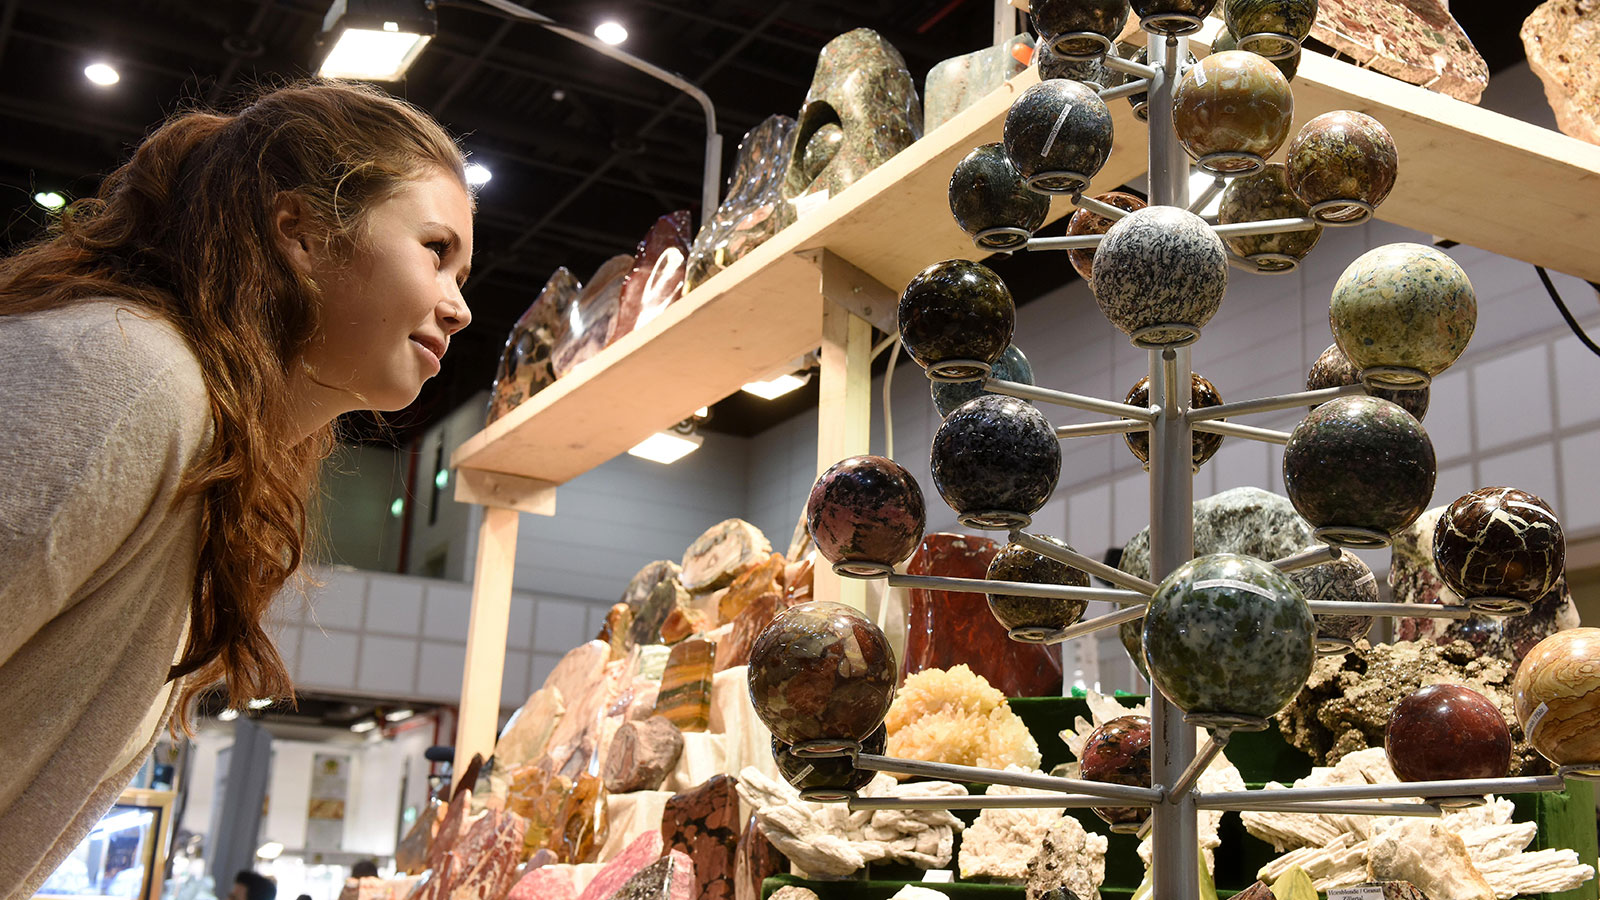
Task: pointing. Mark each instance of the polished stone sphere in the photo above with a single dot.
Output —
(1229, 635)
(1092, 72)
(866, 514)
(991, 202)
(1406, 307)
(1266, 195)
(1272, 28)
(1086, 221)
(1225, 40)
(1446, 731)
(1172, 17)
(1344, 580)
(1118, 752)
(1203, 445)
(1141, 100)
(1556, 693)
(995, 461)
(1055, 21)
(1011, 366)
(1499, 542)
(1041, 616)
(1160, 274)
(1232, 111)
(827, 777)
(1342, 164)
(1058, 135)
(1131, 634)
(821, 671)
(956, 310)
(1359, 469)
(1333, 369)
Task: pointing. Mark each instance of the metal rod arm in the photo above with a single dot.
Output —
(1428, 790)
(984, 801)
(1090, 429)
(1088, 564)
(1270, 404)
(1249, 432)
(1211, 190)
(1104, 210)
(1266, 226)
(1129, 67)
(1213, 746)
(1121, 793)
(1071, 242)
(1062, 398)
(1100, 623)
(1305, 559)
(1371, 808)
(1019, 588)
(1402, 610)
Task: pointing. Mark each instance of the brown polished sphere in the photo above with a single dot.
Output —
(1232, 111)
(1202, 393)
(1446, 731)
(1556, 695)
(1118, 752)
(821, 671)
(1342, 163)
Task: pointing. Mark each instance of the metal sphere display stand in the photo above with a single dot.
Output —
(1177, 762)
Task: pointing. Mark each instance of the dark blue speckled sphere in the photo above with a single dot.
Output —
(866, 514)
(956, 310)
(1057, 22)
(995, 461)
(1058, 135)
(1011, 366)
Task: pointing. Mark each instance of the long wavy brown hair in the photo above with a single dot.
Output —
(185, 229)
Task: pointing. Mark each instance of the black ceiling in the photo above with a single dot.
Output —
(585, 152)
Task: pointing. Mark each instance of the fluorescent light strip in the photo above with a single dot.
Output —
(666, 447)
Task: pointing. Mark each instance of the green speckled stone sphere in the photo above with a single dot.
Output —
(991, 202)
(1232, 111)
(956, 310)
(1266, 195)
(1058, 135)
(1159, 275)
(821, 671)
(1225, 40)
(1500, 542)
(1333, 369)
(1405, 307)
(1359, 469)
(1342, 164)
(1343, 580)
(1272, 28)
(1228, 635)
(1011, 366)
(1092, 72)
(1039, 615)
(1203, 445)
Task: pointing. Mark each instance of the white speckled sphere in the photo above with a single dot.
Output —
(1160, 266)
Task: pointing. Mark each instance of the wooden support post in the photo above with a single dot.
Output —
(486, 636)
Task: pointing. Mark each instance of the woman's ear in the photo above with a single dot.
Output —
(289, 233)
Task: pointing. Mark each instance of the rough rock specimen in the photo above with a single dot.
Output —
(1068, 857)
(683, 622)
(652, 595)
(656, 279)
(790, 892)
(1430, 856)
(411, 855)
(545, 883)
(615, 631)
(757, 860)
(643, 851)
(1415, 41)
(642, 753)
(685, 697)
(704, 823)
(483, 863)
(1394, 890)
(1002, 842)
(830, 840)
(1562, 40)
(764, 578)
(734, 649)
(1346, 703)
(668, 878)
(719, 555)
(959, 82)
(954, 716)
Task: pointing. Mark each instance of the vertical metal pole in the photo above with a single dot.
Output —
(1175, 863)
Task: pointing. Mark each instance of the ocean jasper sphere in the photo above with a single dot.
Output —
(1159, 275)
(1499, 542)
(1343, 580)
(1232, 111)
(1272, 28)
(1172, 17)
(956, 310)
(995, 461)
(991, 202)
(1057, 20)
(821, 671)
(1118, 752)
(1333, 369)
(1266, 195)
(1039, 616)
(827, 777)
(1556, 693)
(1203, 445)
(1342, 164)
(1058, 135)
(1359, 469)
(1011, 366)
(1404, 307)
(1228, 636)
(1446, 731)
(1225, 40)
(1086, 221)
(866, 514)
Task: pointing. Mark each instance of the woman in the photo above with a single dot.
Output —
(171, 361)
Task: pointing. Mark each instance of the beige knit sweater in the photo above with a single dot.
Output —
(102, 409)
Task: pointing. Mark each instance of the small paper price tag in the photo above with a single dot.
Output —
(939, 876)
(805, 204)
(1359, 892)
(1534, 720)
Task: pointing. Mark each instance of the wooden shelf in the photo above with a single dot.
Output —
(1466, 173)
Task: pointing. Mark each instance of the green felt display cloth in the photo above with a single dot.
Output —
(1565, 820)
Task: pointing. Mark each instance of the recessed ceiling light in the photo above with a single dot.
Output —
(611, 32)
(478, 174)
(260, 703)
(50, 200)
(666, 447)
(398, 715)
(101, 74)
(363, 726)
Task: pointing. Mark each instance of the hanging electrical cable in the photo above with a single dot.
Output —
(1572, 322)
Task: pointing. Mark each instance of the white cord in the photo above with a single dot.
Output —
(888, 406)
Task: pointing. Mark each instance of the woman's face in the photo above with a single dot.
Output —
(388, 312)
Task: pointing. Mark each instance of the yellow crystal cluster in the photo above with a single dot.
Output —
(955, 716)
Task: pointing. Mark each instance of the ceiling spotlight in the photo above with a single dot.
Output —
(260, 703)
(101, 74)
(398, 715)
(666, 446)
(478, 174)
(227, 715)
(375, 40)
(776, 387)
(364, 726)
(50, 200)
(611, 32)
(270, 850)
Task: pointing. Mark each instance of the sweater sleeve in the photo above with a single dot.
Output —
(105, 409)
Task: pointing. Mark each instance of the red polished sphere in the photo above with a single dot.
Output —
(1118, 752)
(866, 510)
(1447, 731)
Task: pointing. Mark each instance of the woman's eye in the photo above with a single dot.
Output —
(439, 247)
